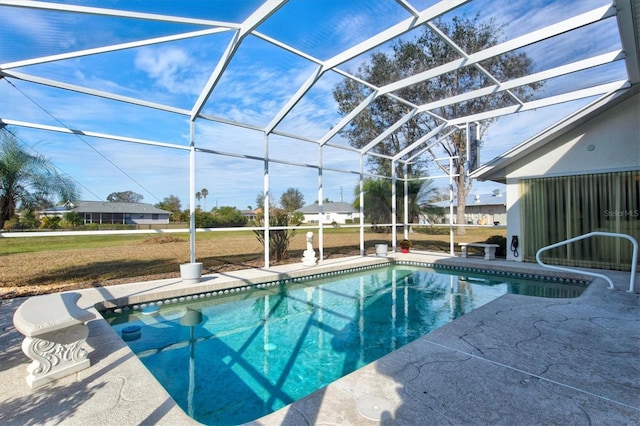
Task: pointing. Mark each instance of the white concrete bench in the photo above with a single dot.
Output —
(55, 332)
(489, 249)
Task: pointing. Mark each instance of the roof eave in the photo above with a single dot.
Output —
(496, 169)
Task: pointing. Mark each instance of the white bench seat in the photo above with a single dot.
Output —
(55, 332)
(489, 249)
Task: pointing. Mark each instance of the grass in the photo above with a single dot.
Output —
(38, 265)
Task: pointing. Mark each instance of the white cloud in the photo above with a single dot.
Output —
(171, 68)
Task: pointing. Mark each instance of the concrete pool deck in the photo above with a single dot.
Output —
(517, 360)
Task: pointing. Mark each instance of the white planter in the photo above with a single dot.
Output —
(191, 272)
(382, 249)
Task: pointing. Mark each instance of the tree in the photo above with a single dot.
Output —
(26, 179)
(410, 57)
(171, 204)
(260, 200)
(204, 192)
(125, 197)
(291, 200)
(198, 197)
(225, 216)
(377, 200)
(204, 219)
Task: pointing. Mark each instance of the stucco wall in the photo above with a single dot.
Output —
(608, 142)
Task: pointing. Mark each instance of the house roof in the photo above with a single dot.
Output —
(330, 207)
(109, 207)
(496, 169)
(478, 200)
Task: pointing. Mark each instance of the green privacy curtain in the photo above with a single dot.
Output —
(558, 208)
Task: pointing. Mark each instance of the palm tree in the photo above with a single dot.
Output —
(204, 192)
(377, 199)
(26, 179)
(426, 196)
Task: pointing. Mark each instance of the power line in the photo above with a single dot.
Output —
(85, 142)
(62, 170)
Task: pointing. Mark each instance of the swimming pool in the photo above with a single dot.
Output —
(240, 355)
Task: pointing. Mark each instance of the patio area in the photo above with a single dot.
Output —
(517, 360)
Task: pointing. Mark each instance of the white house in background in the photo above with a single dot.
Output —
(104, 212)
(578, 176)
(481, 209)
(339, 212)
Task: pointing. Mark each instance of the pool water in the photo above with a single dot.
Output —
(234, 358)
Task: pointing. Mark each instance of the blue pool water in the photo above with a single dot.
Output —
(235, 357)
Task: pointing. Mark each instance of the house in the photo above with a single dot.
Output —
(338, 212)
(251, 214)
(103, 212)
(580, 175)
(481, 209)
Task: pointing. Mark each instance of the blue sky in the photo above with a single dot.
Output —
(256, 85)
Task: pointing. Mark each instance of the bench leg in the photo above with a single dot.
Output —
(55, 355)
(464, 252)
(489, 253)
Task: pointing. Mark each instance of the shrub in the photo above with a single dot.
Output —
(226, 216)
(501, 241)
(72, 219)
(297, 218)
(29, 220)
(14, 224)
(279, 239)
(50, 222)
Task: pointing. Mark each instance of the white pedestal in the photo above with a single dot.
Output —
(382, 249)
(191, 272)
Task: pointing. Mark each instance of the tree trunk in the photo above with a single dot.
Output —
(463, 188)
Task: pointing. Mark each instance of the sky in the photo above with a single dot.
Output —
(257, 83)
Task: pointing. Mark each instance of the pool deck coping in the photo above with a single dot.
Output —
(507, 362)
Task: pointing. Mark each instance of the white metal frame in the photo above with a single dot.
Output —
(620, 9)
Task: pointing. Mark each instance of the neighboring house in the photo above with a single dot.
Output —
(481, 209)
(104, 212)
(251, 214)
(578, 176)
(338, 212)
